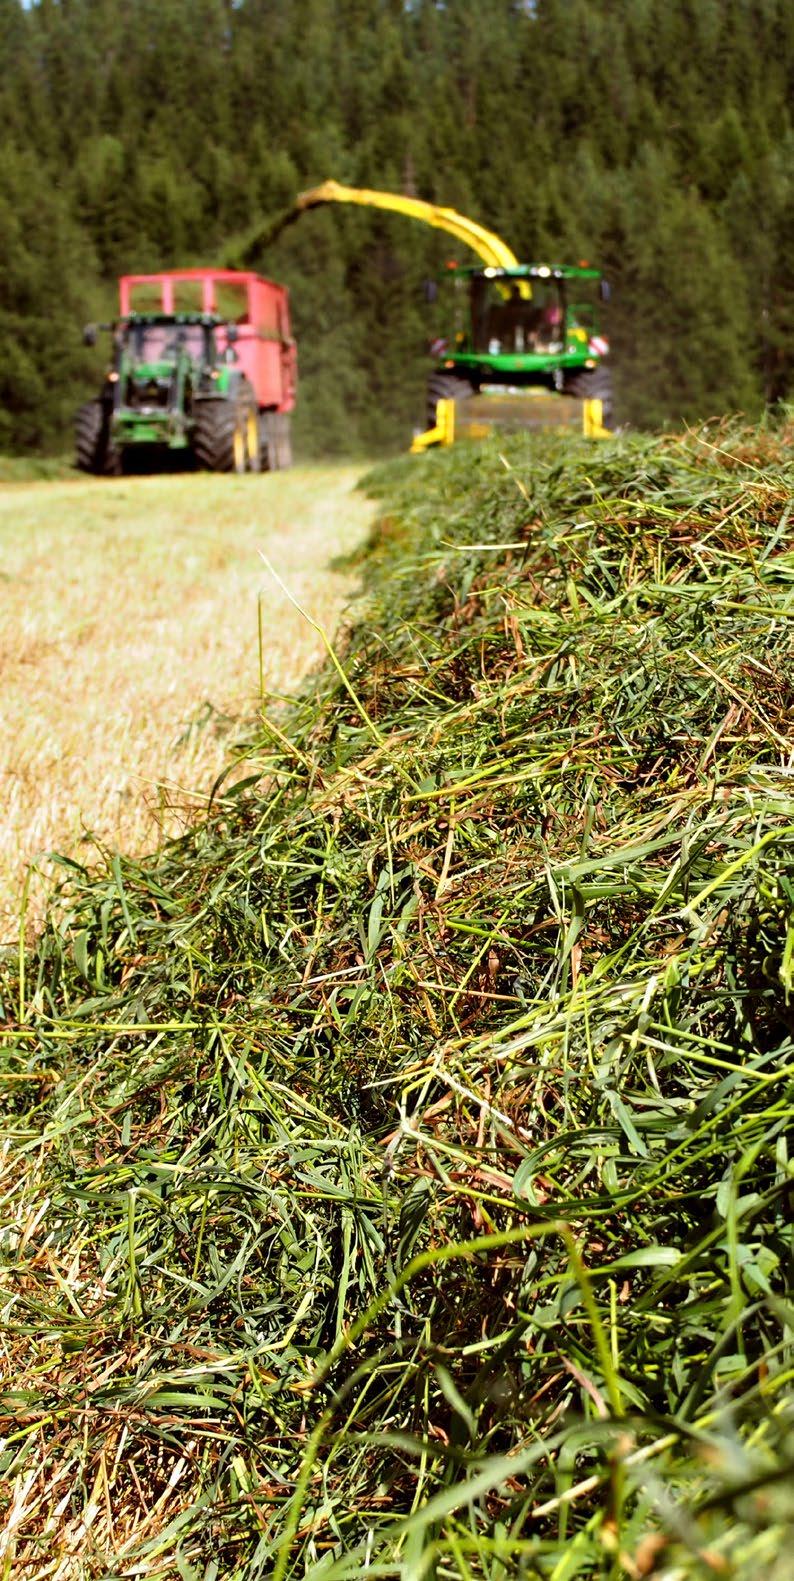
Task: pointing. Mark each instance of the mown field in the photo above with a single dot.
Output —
(129, 637)
(397, 1174)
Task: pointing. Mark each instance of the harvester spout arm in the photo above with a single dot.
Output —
(489, 247)
(485, 244)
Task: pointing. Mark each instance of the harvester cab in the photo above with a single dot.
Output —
(203, 366)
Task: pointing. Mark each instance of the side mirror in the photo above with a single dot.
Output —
(89, 335)
(231, 333)
(604, 290)
(430, 290)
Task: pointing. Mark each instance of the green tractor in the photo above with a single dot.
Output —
(214, 389)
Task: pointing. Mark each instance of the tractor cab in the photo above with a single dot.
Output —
(164, 338)
(162, 363)
(158, 352)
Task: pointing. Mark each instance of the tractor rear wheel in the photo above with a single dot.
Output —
(445, 387)
(94, 451)
(276, 441)
(593, 384)
(226, 435)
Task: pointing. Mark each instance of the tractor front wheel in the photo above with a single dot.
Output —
(226, 433)
(94, 451)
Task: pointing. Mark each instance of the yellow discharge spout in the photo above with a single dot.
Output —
(484, 243)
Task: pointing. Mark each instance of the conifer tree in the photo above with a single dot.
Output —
(654, 138)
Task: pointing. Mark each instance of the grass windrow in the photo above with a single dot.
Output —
(397, 1175)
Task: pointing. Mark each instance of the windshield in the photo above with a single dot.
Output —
(155, 342)
(515, 317)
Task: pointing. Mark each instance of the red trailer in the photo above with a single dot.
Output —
(257, 307)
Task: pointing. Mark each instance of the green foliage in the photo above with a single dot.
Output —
(42, 357)
(654, 136)
(669, 263)
(398, 1165)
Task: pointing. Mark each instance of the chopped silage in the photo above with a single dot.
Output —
(397, 1166)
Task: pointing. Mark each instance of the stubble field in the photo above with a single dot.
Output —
(130, 614)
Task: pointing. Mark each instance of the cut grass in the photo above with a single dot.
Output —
(129, 646)
(397, 1165)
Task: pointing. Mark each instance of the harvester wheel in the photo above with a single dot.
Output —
(445, 387)
(94, 452)
(276, 441)
(593, 384)
(224, 436)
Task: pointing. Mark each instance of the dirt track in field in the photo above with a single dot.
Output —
(129, 645)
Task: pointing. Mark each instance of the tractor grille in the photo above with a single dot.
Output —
(147, 393)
